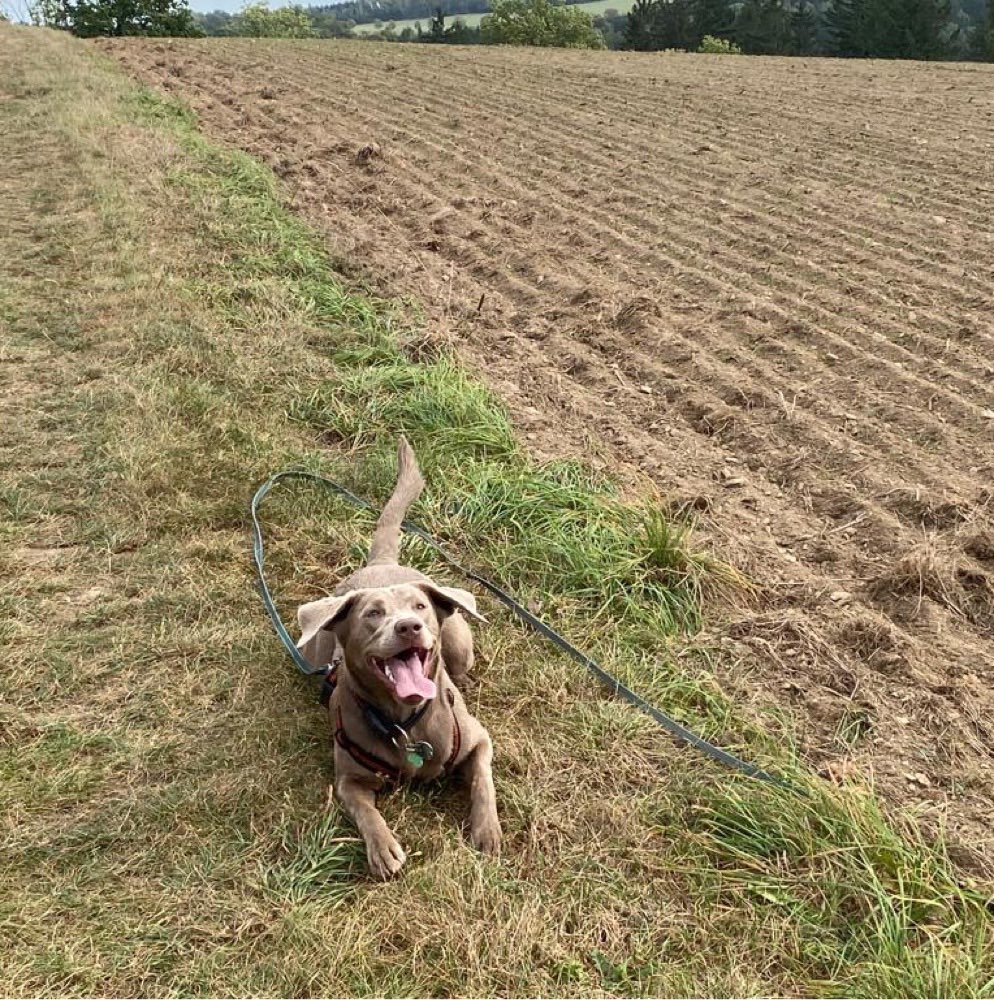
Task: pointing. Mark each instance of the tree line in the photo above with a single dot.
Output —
(384, 11)
(338, 20)
(884, 29)
(888, 29)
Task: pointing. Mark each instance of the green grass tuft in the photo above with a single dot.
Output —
(320, 860)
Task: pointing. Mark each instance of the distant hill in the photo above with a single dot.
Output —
(471, 18)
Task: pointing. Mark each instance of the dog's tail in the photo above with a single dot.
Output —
(385, 548)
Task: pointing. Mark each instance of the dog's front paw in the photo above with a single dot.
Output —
(484, 834)
(386, 857)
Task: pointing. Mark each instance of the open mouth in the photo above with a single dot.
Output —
(406, 672)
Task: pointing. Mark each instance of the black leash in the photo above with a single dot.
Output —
(670, 725)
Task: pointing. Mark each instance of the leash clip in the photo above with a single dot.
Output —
(416, 753)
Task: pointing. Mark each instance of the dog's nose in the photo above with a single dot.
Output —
(408, 627)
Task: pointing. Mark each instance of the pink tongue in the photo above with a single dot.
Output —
(409, 678)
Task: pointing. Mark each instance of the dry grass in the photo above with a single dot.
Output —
(938, 571)
(171, 336)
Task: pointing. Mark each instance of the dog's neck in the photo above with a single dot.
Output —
(392, 711)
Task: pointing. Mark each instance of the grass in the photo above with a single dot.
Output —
(594, 9)
(171, 336)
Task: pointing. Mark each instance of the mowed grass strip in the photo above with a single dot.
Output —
(171, 336)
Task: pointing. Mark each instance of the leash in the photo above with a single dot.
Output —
(673, 727)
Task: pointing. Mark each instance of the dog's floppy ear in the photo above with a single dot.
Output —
(323, 614)
(451, 599)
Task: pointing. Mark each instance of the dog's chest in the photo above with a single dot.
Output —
(422, 752)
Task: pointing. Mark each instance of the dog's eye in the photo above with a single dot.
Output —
(373, 613)
(420, 606)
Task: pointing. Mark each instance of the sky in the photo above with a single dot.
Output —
(204, 6)
(207, 5)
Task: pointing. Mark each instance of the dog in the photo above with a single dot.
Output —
(396, 643)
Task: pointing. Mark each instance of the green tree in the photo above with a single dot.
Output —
(677, 24)
(674, 26)
(436, 33)
(712, 17)
(537, 22)
(926, 29)
(638, 26)
(256, 20)
(93, 18)
(661, 24)
(763, 27)
(983, 36)
(891, 29)
(851, 26)
(804, 29)
(612, 25)
(457, 33)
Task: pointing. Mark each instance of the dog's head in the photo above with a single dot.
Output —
(390, 635)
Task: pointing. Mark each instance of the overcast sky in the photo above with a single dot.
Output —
(229, 5)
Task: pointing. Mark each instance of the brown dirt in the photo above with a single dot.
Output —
(766, 284)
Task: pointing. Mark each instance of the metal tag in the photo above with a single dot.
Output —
(417, 753)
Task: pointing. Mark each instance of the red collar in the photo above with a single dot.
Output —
(377, 764)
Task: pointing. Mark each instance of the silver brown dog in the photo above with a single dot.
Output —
(399, 642)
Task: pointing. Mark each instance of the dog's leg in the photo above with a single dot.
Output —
(386, 857)
(484, 826)
(457, 648)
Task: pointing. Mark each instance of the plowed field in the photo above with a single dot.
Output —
(766, 284)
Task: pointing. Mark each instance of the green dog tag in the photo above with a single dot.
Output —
(418, 753)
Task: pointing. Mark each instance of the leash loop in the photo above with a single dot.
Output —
(673, 727)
